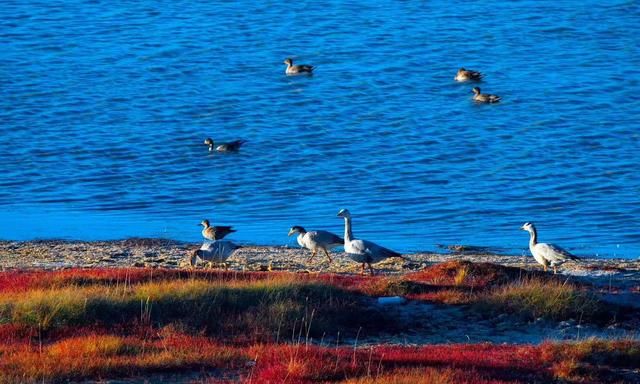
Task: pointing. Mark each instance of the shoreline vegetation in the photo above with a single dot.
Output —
(82, 311)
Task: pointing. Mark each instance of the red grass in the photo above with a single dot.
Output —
(20, 281)
(28, 354)
(109, 356)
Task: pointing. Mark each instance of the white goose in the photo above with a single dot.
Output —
(544, 253)
(316, 240)
(363, 251)
(214, 252)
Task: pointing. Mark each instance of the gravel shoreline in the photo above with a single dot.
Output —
(162, 253)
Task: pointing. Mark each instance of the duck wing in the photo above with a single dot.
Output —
(305, 68)
(475, 75)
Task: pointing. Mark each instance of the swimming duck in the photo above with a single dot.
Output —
(484, 97)
(233, 146)
(297, 69)
(544, 253)
(217, 232)
(315, 240)
(363, 251)
(466, 75)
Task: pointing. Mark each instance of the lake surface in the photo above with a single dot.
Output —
(104, 107)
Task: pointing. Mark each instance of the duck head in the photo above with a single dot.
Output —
(209, 142)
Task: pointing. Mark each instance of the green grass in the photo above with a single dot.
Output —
(260, 309)
(534, 298)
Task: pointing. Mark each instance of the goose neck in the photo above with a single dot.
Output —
(348, 234)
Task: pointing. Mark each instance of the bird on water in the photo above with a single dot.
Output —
(484, 97)
(316, 240)
(217, 232)
(363, 251)
(297, 69)
(466, 75)
(233, 146)
(546, 254)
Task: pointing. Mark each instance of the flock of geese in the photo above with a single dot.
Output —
(366, 252)
(217, 250)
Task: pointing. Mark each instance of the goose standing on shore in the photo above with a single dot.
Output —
(315, 240)
(214, 233)
(484, 97)
(544, 253)
(233, 146)
(363, 251)
(216, 252)
(466, 75)
(297, 69)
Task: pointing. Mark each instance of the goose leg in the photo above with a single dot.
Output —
(313, 254)
(555, 270)
(362, 273)
(371, 269)
(327, 253)
(545, 267)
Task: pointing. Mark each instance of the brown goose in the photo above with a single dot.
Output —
(297, 69)
(217, 232)
(467, 74)
(484, 97)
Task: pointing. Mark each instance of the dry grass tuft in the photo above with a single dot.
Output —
(534, 298)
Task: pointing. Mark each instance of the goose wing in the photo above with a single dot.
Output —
(218, 232)
(554, 253)
(325, 238)
(219, 250)
(373, 251)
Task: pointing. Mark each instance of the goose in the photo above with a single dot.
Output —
(217, 251)
(466, 75)
(363, 251)
(484, 97)
(297, 69)
(233, 146)
(315, 240)
(544, 253)
(217, 232)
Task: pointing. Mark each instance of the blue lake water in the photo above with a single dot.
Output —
(104, 107)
